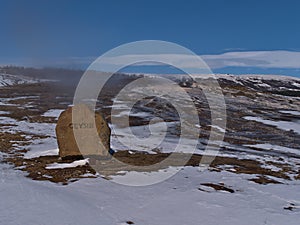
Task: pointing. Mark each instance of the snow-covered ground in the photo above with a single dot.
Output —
(273, 148)
(53, 113)
(182, 199)
(76, 163)
(284, 125)
(175, 201)
(7, 80)
(291, 112)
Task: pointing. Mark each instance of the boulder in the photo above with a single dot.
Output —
(90, 129)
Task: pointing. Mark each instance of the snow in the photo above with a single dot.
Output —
(278, 148)
(218, 128)
(256, 78)
(4, 112)
(268, 77)
(124, 113)
(7, 80)
(271, 167)
(264, 85)
(175, 201)
(148, 140)
(40, 150)
(53, 113)
(67, 165)
(296, 84)
(283, 125)
(32, 128)
(294, 113)
(134, 178)
(289, 89)
(37, 147)
(5, 101)
(89, 175)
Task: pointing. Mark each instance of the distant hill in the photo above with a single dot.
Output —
(44, 73)
(7, 79)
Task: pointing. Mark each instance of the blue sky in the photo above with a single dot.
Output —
(34, 32)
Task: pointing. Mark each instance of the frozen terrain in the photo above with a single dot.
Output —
(7, 80)
(175, 201)
(260, 187)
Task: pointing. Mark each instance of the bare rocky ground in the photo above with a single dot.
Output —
(251, 97)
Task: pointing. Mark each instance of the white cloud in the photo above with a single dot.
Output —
(257, 59)
(260, 59)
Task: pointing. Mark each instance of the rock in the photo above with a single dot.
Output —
(88, 138)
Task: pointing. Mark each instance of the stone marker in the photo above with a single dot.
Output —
(87, 137)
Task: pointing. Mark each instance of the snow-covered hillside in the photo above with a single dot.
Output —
(7, 80)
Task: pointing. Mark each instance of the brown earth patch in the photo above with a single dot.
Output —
(218, 187)
(264, 180)
(125, 161)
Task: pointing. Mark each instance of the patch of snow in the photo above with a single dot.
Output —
(271, 167)
(3, 103)
(38, 147)
(218, 128)
(296, 84)
(4, 112)
(295, 113)
(53, 113)
(41, 149)
(289, 89)
(46, 129)
(138, 114)
(138, 178)
(8, 80)
(89, 175)
(264, 85)
(120, 140)
(268, 77)
(278, 148)
(67, 165)
(283, 125)
(7, 120)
